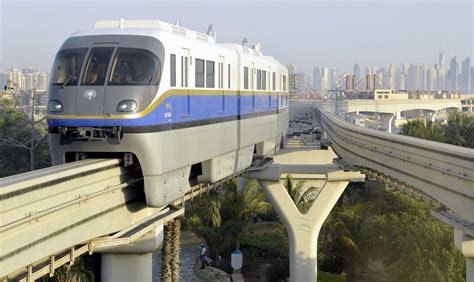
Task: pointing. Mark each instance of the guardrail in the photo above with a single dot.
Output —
(444, 172)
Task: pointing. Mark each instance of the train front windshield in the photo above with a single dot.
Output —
(124, 66)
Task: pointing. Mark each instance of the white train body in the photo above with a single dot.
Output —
(182, 104)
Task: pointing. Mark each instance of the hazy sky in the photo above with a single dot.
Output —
(308, 33)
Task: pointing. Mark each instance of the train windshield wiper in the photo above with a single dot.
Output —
(69, 78)
(66, 82)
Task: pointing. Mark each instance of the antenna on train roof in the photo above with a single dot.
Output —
(245, 41)
(211, 32)
(177, 23)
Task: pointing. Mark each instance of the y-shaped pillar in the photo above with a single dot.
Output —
(303, 229)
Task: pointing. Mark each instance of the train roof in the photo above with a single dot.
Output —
(154, 28)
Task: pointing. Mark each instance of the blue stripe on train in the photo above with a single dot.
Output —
(176, 109)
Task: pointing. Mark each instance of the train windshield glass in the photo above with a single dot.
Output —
(135, 67)
(67, 66)
(97, 66)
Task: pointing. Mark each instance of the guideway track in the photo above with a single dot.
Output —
(51, 216)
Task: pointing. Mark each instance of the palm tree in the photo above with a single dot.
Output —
(222, 217)
(303, 198)
(175, 249)
(414, 128)
(165, 272)
(460, 130)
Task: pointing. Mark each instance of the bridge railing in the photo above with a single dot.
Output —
(444, 172)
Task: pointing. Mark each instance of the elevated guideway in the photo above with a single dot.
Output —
(389, 106)
(444, 172)
(49, 217)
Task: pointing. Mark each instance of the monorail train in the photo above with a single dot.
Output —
(168, 98)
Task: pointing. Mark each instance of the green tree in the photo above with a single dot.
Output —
(22, 137)
(460, 129)
(302, 197)
(223, 216)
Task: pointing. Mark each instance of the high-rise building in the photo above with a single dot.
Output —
(393, 79)
(441, 79)
(472, 80)
(3, 81)
(15, 77)
(431, 79)
(465, 75)
(316, 79)
(453, 74)
(412, 79)
(30, 83)
(324, 79)
(357, 71)
(43, 81)
(441, 59)
(333, 78)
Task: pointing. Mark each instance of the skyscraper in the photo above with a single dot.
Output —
(324, 79)
(393, 79)
(431, 79)
(465, 75)
(357, 71)
(453, 74)
(441, 58)
(316, 79)
(472, 79)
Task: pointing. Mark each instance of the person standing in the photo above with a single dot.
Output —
(202, 256)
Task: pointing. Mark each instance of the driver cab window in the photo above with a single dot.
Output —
(67, 66)
(135, 67)
(97, 66)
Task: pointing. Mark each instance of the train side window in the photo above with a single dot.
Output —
(228, 76)
(246, 78)
(173, 70)
(264, 80)
(259, 79)
(97, 66)
(199, 67)
(273, 81)
(210, 72)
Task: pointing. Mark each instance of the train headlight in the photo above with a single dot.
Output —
(127, 106)
(55, 106)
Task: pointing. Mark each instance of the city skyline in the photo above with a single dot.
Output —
(326, 33)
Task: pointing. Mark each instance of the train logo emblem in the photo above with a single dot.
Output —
(90, 94)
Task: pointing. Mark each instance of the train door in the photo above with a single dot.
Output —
(185, 62)
(220, 84)
(90, 97)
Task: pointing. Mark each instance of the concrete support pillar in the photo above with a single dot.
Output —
(429, 115)
(465, 244)
(303, 229)
(469, 269)
(131, 262)
(389, 125)
(126, 267)
(398, 115)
